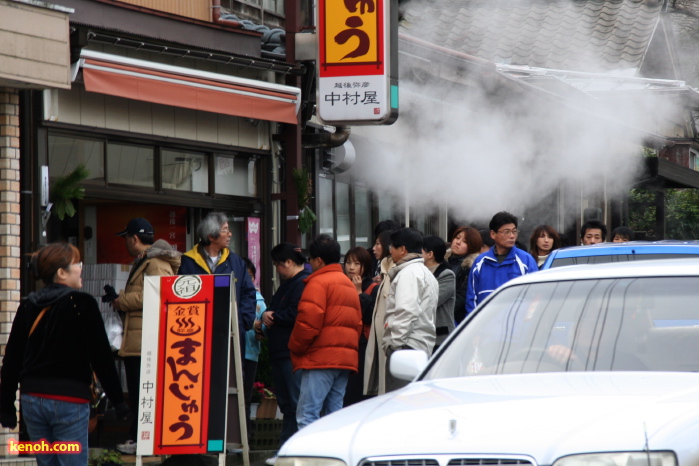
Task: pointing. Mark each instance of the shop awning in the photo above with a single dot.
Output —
(189, 88)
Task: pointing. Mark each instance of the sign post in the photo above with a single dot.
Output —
(186, 343)
(357, 62)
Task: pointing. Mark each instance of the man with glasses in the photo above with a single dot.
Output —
(213, 256)
(501, 263)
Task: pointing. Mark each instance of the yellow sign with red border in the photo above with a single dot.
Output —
(354, 82)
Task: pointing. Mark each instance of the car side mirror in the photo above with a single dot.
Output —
(407, 364)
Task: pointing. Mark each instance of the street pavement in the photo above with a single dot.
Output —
(111, 431)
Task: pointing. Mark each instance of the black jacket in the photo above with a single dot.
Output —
(68, 343)
(285, 306)
(456, 265)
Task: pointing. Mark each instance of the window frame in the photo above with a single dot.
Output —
(98, 186)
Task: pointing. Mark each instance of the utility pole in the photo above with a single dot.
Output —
(291, 136)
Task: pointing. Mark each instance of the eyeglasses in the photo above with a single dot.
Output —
(225, 231)
(514, 232)
(79, 264)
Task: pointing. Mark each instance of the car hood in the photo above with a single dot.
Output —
(544, 416)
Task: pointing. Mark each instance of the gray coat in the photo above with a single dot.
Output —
(444, 321)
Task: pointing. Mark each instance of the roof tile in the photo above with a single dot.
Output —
(585, 35)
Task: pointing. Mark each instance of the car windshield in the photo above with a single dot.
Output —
(623, 324)
(563, 261)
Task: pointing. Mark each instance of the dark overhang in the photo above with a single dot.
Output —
(661, 173)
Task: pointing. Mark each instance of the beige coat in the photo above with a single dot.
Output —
(411, 306)
(375, 357)
(160, 259)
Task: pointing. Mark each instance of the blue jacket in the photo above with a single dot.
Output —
(252, 344)
(194, 263)
(487, 274)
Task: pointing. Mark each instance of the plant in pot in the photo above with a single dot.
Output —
(106, 458)
(268, 401)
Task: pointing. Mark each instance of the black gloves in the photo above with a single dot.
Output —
(122, 411)
(8, 418)
(109, 295)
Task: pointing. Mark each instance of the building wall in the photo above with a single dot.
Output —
(678, 154)
(9, 220)
(89, 109)
(34, 48)
(197, 9)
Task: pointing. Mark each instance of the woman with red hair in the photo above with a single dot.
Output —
(465, 247)
(56, 342)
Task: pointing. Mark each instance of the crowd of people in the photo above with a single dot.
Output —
(330, 328)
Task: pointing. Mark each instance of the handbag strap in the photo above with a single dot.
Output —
(38, 318)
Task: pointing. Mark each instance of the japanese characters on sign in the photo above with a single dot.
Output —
(176, 396)
(354, 82)
(184, 384)
(253, 229)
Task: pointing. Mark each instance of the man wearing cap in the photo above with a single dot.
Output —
(150, 258)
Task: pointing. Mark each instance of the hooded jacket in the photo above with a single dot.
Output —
(194, 263)
(411, 307)
(487, 274)
(58, 358)
(160, 259)
(328, 324)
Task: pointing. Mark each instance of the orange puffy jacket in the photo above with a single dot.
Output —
(328, 323)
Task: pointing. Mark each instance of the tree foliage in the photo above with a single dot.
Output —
(65, 189)
(304, 193)
(681, 212)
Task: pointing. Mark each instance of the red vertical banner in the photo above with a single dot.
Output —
(183, 399)
(183, 379)
(253, 232)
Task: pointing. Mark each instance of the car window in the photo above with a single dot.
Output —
(585, 325)
(563, 261)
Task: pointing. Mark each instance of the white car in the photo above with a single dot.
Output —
(575, 366)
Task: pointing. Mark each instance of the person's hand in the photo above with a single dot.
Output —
(116, 304)
(268, 318)
(559, 353)
(257, 325)
(377, 279)
(8, 418)
(357, 281)
(122, 411)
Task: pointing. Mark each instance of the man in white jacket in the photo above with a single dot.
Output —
(411, 304)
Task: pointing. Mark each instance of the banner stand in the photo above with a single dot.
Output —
(189, 369)
(233, 391)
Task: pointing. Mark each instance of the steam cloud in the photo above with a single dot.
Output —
(482, 149)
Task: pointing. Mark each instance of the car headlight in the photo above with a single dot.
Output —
(307, 461)
(636, 458)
